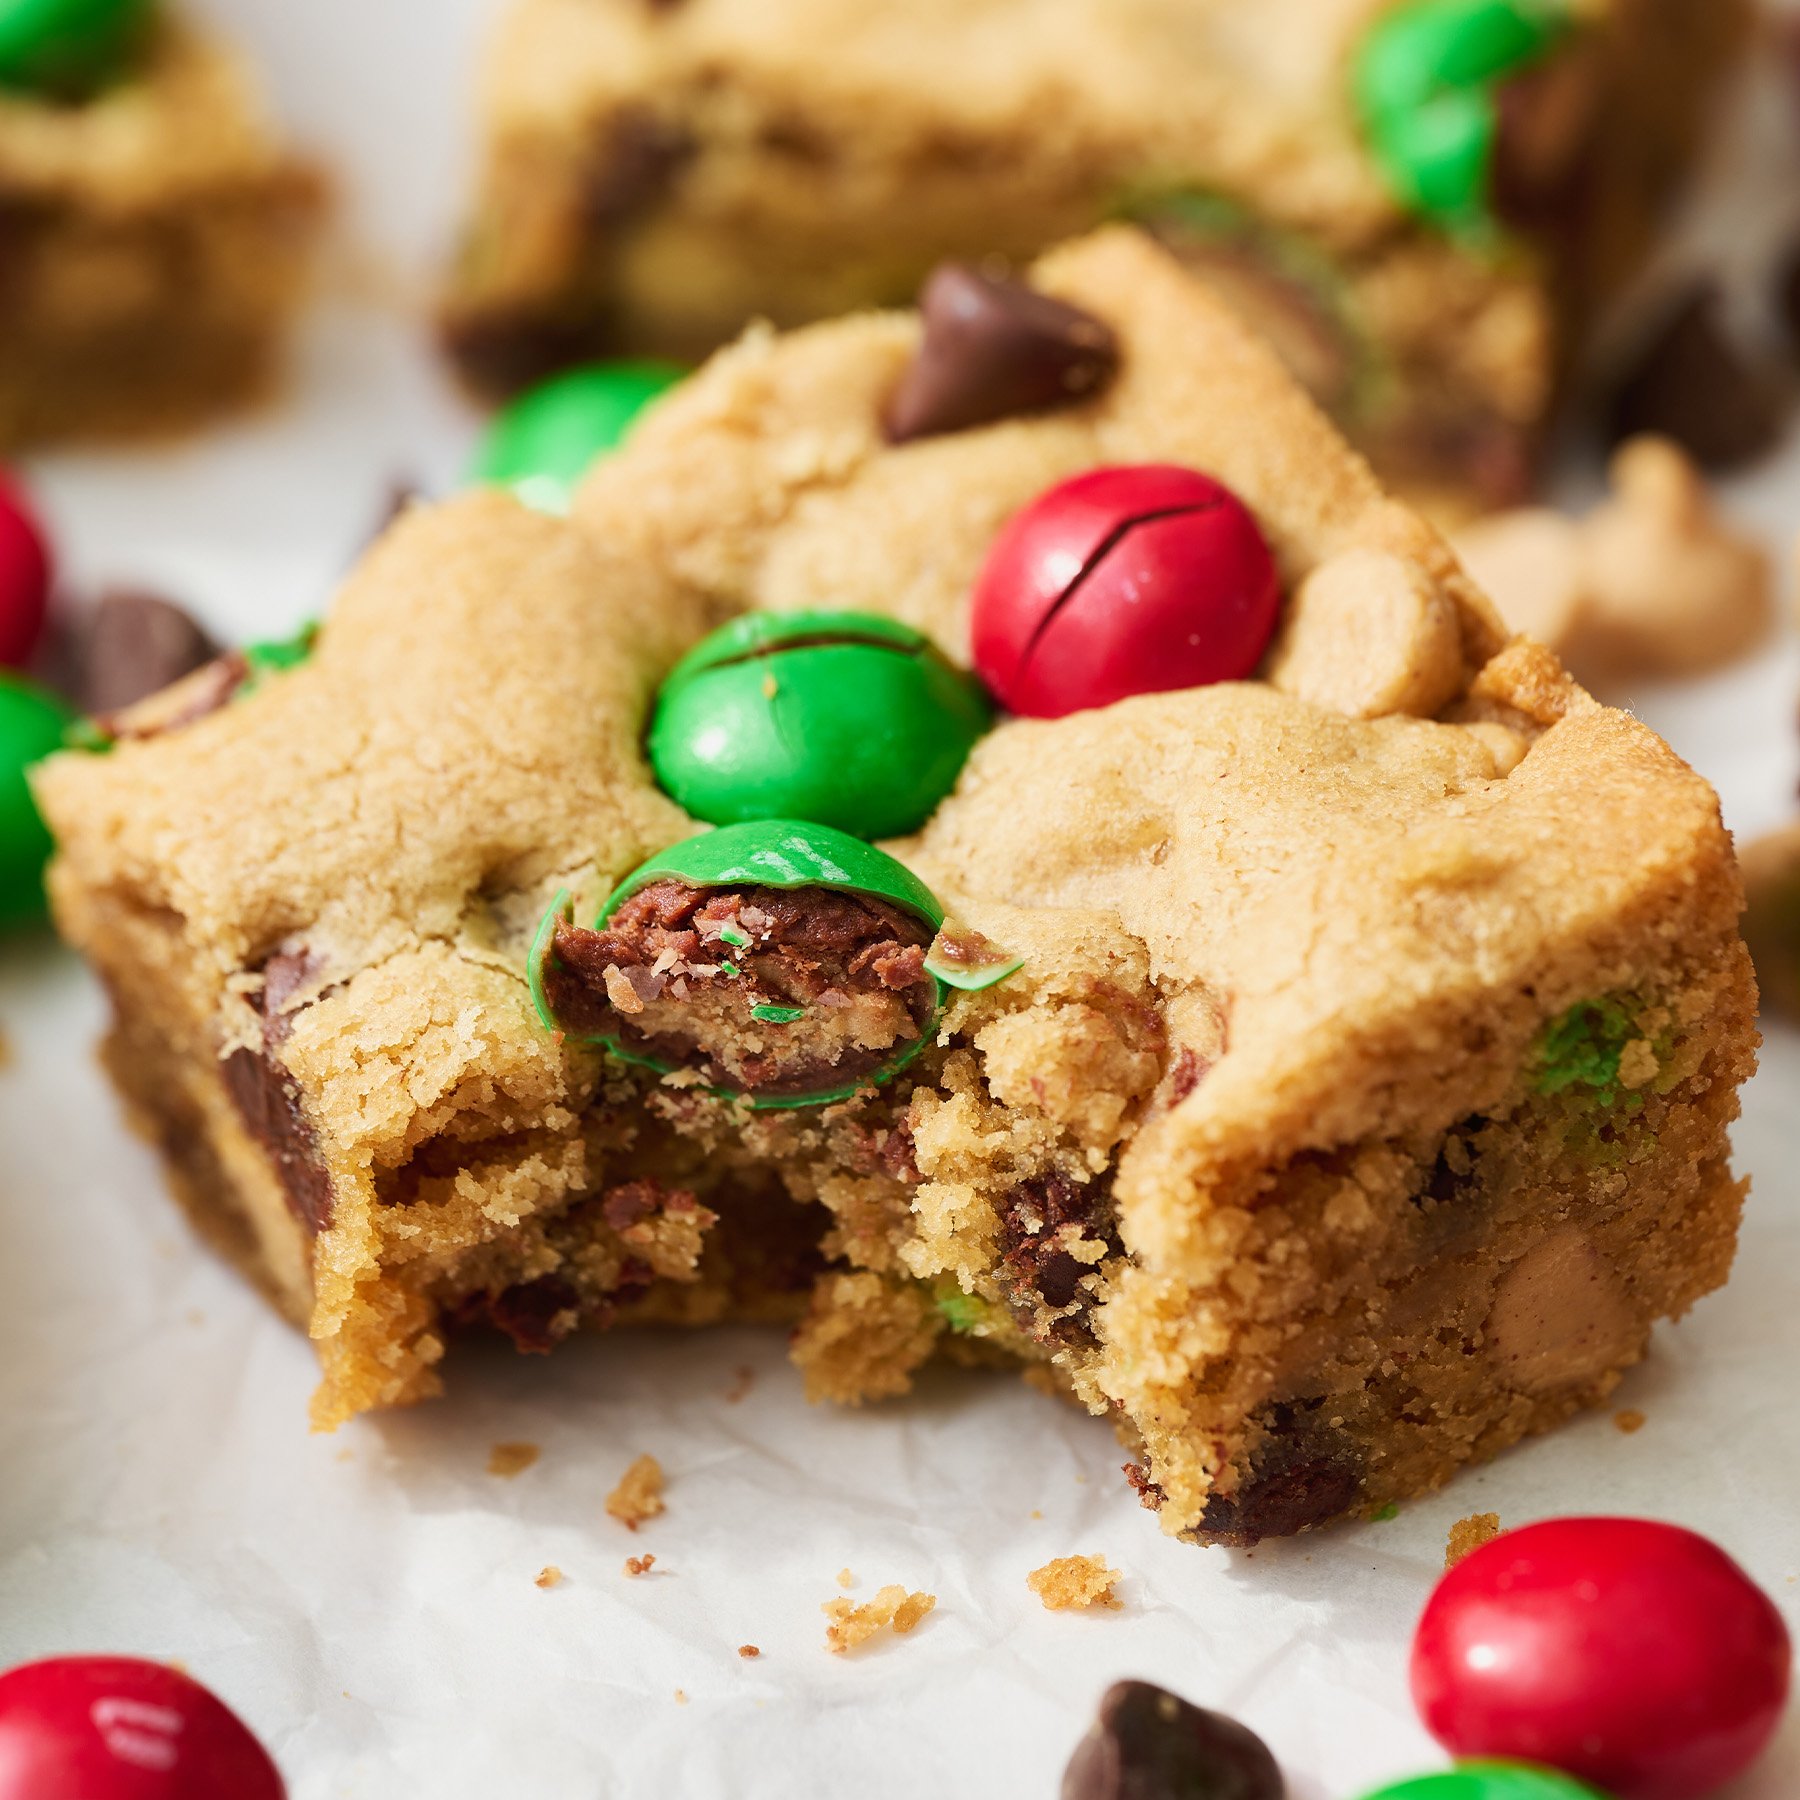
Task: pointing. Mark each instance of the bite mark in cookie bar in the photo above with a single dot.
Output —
(1336, 1115)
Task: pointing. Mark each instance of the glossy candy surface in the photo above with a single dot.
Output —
(1426, 80)
(846, 719)
(115, 1728)
(544, 442)
(1125, 580)
(32, 724)
(1634, 1655)
(1490, 1781)
(64, 47)
(24, 577)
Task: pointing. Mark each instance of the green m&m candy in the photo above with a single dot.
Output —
(1425, 83)
(32, 724)
(778, 961)
(1491, 1781)
(544, 442)
(64, 48)
(847, 719)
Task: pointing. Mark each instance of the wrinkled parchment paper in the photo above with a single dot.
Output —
(369, 1601)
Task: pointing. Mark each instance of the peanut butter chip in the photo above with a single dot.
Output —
(1368, 635)
(1560, 1316)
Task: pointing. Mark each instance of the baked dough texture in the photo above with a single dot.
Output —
(656, 176)
(1362, 1100)
(155, 242)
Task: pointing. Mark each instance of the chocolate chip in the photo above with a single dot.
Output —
(1038, 1266)
(268, 1100)
(136, 644)
(1693, 383)
(993, 349)
(536, 1315)
(642, 155)
(1302, 1475)
(1787, 295)
(1149, 1744)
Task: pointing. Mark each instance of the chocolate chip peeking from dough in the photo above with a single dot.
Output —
(136, 644)
(1693, 383)
(993, 349)
(1303, 1474)
(1149, 1744)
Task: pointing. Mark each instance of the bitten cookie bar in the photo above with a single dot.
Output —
(1420, 202)
(1325, 1076)
(154, 239)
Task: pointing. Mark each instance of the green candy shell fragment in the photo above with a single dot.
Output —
(542, 444)
(1425, 83)
(67, 48)
(33, 724)
(778, 1015)
(1583, 1048)
(968, 961)
(1490, 1781)
(845, 719)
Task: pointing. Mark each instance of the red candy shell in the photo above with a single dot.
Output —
(1123, 581)
(24, 578)
(115, 1728)
(1634, 1655)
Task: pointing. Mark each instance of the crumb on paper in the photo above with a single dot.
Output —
(1037, 1512)
(741, 1383)
(549, 1575)
(508, 1460)
(892, 1607)
(1629, 1419)
(845, 1579)
(749, 1652)
(1468, 1535)
(1074, 1583)
(639, 1494)
(681, 1696)
(6, 1051)
(640, 1565)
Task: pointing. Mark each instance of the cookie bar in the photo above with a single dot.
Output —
(657, 175)
(154, 239)
(1338, 1114)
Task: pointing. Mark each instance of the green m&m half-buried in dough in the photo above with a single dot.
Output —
(1427, 80)
(65, 48)
(542, 444)
(847, 719)
(776, 961)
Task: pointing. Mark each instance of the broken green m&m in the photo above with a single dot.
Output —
(1426, 82)
(542, 444)
(846, 719)
(776, 961)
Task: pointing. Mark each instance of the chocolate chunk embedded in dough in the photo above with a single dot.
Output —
(993, 349)
(268, 1100)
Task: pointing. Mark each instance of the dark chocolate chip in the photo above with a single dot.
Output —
(1189, 1071)
(1032, 1255)
(284, 975)
(268, 1100)
(1787, 295)
(1302, 1475)
(631, 1201)
(642, 155)
(536, 1315)
(136, 644)
(993, 349)
(1693, 383)
(1149, 1744)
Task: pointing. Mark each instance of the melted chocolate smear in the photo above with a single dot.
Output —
(1149, 1744)
(993, 349)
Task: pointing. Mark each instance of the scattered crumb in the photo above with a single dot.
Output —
(346, 1454)
(1470, 1534)
(639, 1494)
(749, 1652)
(846, 1579)
(741, 1383)
(1037, 1512)
(6, 1051)
(549, 1575)
(681, 1696)
(892, 1606)
(1074, 1583)
(639, 1565)
(1629, 1420)
(508, 1460)
(196, 1316)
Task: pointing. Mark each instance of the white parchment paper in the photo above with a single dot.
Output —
(368, 1600)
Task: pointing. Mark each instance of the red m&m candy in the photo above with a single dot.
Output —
(1123, 581)
(1634, 1655)
(24, 577)
(115, 1728)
